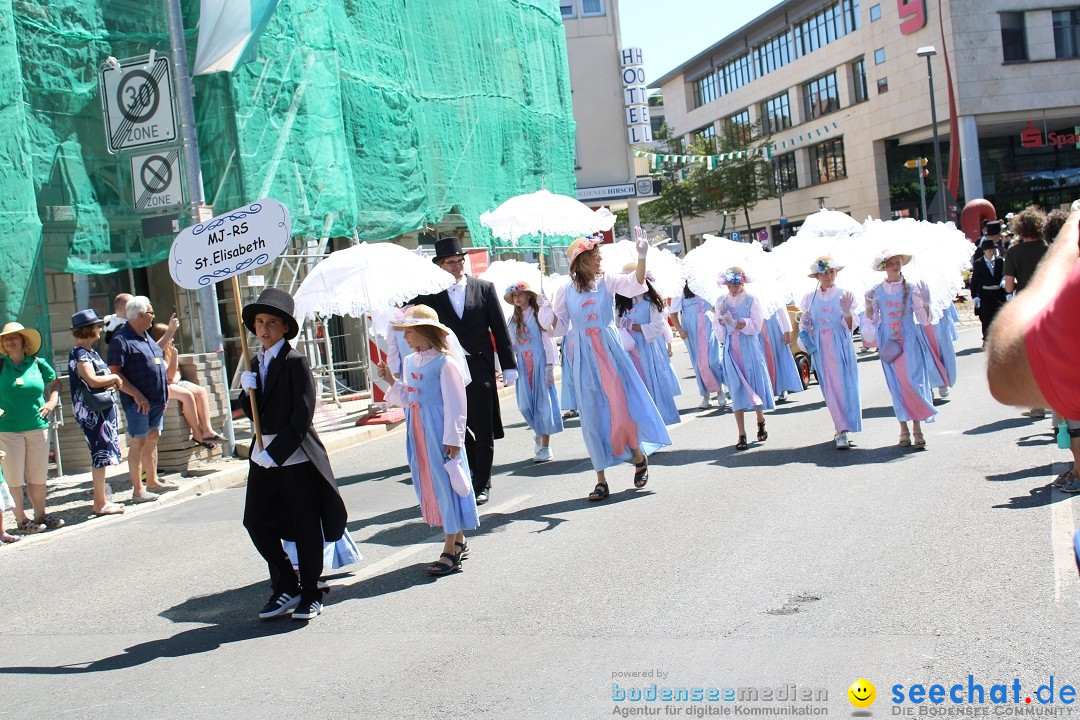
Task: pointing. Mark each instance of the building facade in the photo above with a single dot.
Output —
(842, 88)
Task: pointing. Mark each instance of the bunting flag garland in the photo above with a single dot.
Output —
(712, 161)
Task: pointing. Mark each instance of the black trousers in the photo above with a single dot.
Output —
(989, 304)
(284, 503)
(483, 422)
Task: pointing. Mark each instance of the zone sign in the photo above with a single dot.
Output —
(138, 104)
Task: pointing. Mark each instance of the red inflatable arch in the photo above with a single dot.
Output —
(973, 215)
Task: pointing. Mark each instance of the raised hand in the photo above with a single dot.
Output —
(641, 241)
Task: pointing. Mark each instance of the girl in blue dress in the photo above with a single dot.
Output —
(828, 319)
(619, 420)
(432, 391)
(644, 316)
(536, 355)
(738, 320)
(775, 335)
(689, 314)
(891, 311)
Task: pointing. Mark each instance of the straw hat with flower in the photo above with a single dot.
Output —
(419, 315)
(884, 256)
(522, 286)
(580, 245)
(733, 276)
(824, 264)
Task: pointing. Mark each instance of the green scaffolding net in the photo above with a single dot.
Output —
(373, 117)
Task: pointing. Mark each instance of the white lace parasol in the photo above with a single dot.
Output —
(545, 214)
(369, 278)
(662, 265)
(704, 263)
(504, 273)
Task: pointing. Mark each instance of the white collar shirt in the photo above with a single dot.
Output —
(457, 296)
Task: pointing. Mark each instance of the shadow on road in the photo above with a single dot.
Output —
(381, 474)
(1021, 474)
(1036, 497)
(998, 425)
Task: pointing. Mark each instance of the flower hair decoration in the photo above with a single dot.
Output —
(517, 287)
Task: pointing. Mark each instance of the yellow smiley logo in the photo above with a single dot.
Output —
(862, 693)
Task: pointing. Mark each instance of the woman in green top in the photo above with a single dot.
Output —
(25, 380)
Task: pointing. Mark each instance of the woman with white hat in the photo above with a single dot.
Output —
(738, 320)
(536, 355)
(892, 307)
(826, 324)
(25, 381)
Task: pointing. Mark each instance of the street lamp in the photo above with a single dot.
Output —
(929, 51)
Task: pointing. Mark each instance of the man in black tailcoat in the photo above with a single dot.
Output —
(987, 284)
(291, 491)
(471, 308)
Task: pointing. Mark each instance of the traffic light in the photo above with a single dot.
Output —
(916, 163)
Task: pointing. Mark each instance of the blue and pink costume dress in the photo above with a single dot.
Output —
(940, 337)
(617, 413)
(534, 350)
(833, 356)
(432, 391)
(912, 376)
(650, 356)
(745, 370)
(701, 343)
(782, 369)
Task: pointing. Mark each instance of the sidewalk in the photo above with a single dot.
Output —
(70, 497)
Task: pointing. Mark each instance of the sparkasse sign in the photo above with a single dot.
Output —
(229, 244)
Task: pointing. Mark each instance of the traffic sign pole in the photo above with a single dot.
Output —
(210, 323)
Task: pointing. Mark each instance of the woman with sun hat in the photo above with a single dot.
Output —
(892, 307)
(619, 421)
(826, 324)
(536, 355)
(738, 320)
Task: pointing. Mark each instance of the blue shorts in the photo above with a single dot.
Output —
(138, 424)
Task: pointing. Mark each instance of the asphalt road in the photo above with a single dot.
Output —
(791, 564)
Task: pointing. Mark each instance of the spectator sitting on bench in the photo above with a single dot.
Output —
(194, 400)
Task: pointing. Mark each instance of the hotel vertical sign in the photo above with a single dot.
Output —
(638, 125)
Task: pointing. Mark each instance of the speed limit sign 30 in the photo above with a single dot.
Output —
(138, 105)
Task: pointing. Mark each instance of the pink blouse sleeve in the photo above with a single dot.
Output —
(551, 353)
(396, 394)
(784, 319)
(454, 405)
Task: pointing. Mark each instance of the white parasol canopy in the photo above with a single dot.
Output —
(662, 264)
(545, 214)
(369, 278)
(703, 264)
(504, 273)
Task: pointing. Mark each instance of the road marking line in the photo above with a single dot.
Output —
(381, 566)
(1062, 526)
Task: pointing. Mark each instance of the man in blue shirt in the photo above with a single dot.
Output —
(137, 358)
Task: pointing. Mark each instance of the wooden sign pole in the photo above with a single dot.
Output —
(247, 362)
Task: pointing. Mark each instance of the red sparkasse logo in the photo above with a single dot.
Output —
(1031, 136)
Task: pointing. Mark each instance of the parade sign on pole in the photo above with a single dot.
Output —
(229, 244)
(137, 98)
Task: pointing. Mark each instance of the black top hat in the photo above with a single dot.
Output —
(84, 318)
(987, 244)
(447, 247)
(272, 302)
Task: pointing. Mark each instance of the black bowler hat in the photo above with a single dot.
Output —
(84, 318)
(447, 247)
(987, 244)
(272, 302)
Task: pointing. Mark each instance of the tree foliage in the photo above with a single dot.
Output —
(738, 183)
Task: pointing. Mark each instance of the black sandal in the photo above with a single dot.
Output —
(599, 492)
(463, 550)
(741, 445)
(641, 472)
(440, 568)
(762, 434)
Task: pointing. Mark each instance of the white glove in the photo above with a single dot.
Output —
(509, 377)
(977, 301)
(263, 459)
(728, 320)
(846, 302)
(642, 243)
(248, 380)
(549, 376)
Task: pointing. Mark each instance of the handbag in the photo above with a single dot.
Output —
(890, 350)
(100, 401)
(459, 479)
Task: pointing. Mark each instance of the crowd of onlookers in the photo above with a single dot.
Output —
(140, 373)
